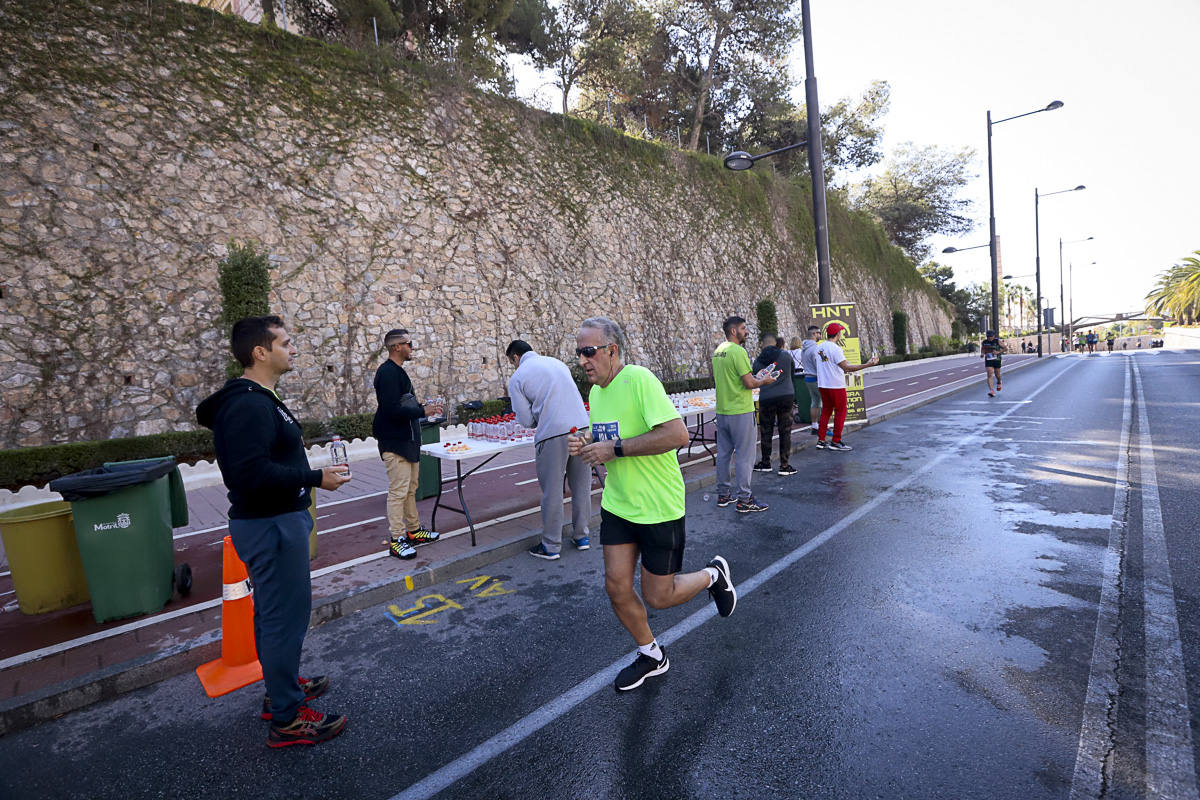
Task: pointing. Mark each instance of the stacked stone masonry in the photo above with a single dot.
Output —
(126, 167)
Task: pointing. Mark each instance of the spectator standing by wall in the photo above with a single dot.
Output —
(397, 429)
(544, 397)
(775, 406)
(735, 417)
(808, 364)
(831, 378)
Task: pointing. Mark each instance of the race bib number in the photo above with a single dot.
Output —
(602, 431)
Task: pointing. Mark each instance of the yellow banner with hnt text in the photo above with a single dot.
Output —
(845, 313)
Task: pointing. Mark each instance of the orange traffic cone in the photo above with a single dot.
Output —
(238, 665)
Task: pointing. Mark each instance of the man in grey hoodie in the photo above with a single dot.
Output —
(544, 397)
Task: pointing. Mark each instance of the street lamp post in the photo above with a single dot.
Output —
(742, 160)
(992, 208)
(1068, 324)
(1037, 245)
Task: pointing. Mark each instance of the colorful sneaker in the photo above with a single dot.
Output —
(636, 673)
(582, 543)
(840, 446)
(750, 504)
(762, 466)
(421, 536)
(540, 551)
(312, 688)
(724, 500)
(309, 727)
(400, 548)
(787, 469)
(821, 444)
(723, 594)
(997, 386)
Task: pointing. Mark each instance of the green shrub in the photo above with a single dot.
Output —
(939, 343)
(900, 332)
(768, 319)
(491, 408)
(688, 385)
(245, 282)
(38, 465)
(351, 426)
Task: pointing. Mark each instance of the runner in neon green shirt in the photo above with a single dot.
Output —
(636, 430)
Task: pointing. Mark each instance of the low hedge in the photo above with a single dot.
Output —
(39, 465)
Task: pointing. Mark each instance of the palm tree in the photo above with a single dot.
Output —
(1177, 293)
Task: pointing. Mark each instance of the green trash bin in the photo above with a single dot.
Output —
(803, 412)
(124, 513)
(427, 476)
(43, 557)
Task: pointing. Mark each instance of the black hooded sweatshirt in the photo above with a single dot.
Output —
(260, 450)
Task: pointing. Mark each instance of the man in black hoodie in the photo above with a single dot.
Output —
(775, 405)
(261, 455)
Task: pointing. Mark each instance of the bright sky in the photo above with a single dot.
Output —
(949, 61)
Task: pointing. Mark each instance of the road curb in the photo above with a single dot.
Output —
(110, 682)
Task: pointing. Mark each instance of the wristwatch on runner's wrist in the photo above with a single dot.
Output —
(618, 451)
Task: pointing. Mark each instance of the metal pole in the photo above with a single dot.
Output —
(1062, 301)
(1071, 279)
(284, 9)
(992, 233)
(375, 25)
(816, 165)
(1037, 248)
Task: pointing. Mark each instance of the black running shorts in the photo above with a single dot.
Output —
(994, 363)
(661, 544)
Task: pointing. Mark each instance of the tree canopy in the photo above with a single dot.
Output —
(1177, 292)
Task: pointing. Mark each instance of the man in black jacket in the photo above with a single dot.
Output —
(261, 455)
(775, 405)
(397, 429)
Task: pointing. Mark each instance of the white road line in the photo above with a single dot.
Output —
(1170, 760)
(881, 391)
(1099, 704)
(464, 765)
(522, 483)
(914, 383)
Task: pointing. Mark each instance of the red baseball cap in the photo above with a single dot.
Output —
(834, 329)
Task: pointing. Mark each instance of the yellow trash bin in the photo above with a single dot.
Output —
(43, 556)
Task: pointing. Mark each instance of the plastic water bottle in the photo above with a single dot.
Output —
(338, 455)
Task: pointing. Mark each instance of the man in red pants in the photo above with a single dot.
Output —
(831, 379)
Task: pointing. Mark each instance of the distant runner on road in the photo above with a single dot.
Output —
(635, 430)
(992, 348)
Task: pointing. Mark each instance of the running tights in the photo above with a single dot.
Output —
(833, 401)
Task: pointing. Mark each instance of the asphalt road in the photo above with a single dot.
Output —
(978, 601)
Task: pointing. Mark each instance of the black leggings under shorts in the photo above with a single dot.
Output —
(661, 543)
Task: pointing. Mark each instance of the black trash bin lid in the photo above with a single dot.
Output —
(110, 478)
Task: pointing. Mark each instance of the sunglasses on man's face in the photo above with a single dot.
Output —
(589, 351)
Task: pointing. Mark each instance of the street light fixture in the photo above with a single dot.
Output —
(742, 160)
(1037, 245)
(1056, 104)
(960, 249)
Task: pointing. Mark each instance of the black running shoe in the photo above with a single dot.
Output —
(750, 504)
(312, 688)
(636, 673)
(309, 727)
(814, 431)
(839, 446)
(722, 591)
(724, 500)
(762, 466)
(787, 469)
(821, 444)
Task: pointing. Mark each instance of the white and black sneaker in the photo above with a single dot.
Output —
(762, 466)
(841, 446)
(643, 667)
(723, 594)
(821, 444)
(787, 469)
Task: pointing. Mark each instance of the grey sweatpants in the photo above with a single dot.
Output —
(553, 462)
(735, 443)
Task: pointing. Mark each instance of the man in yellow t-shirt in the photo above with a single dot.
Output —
(736, 438)
(635, 430)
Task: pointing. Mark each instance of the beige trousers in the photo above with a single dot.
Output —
(402, 494)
